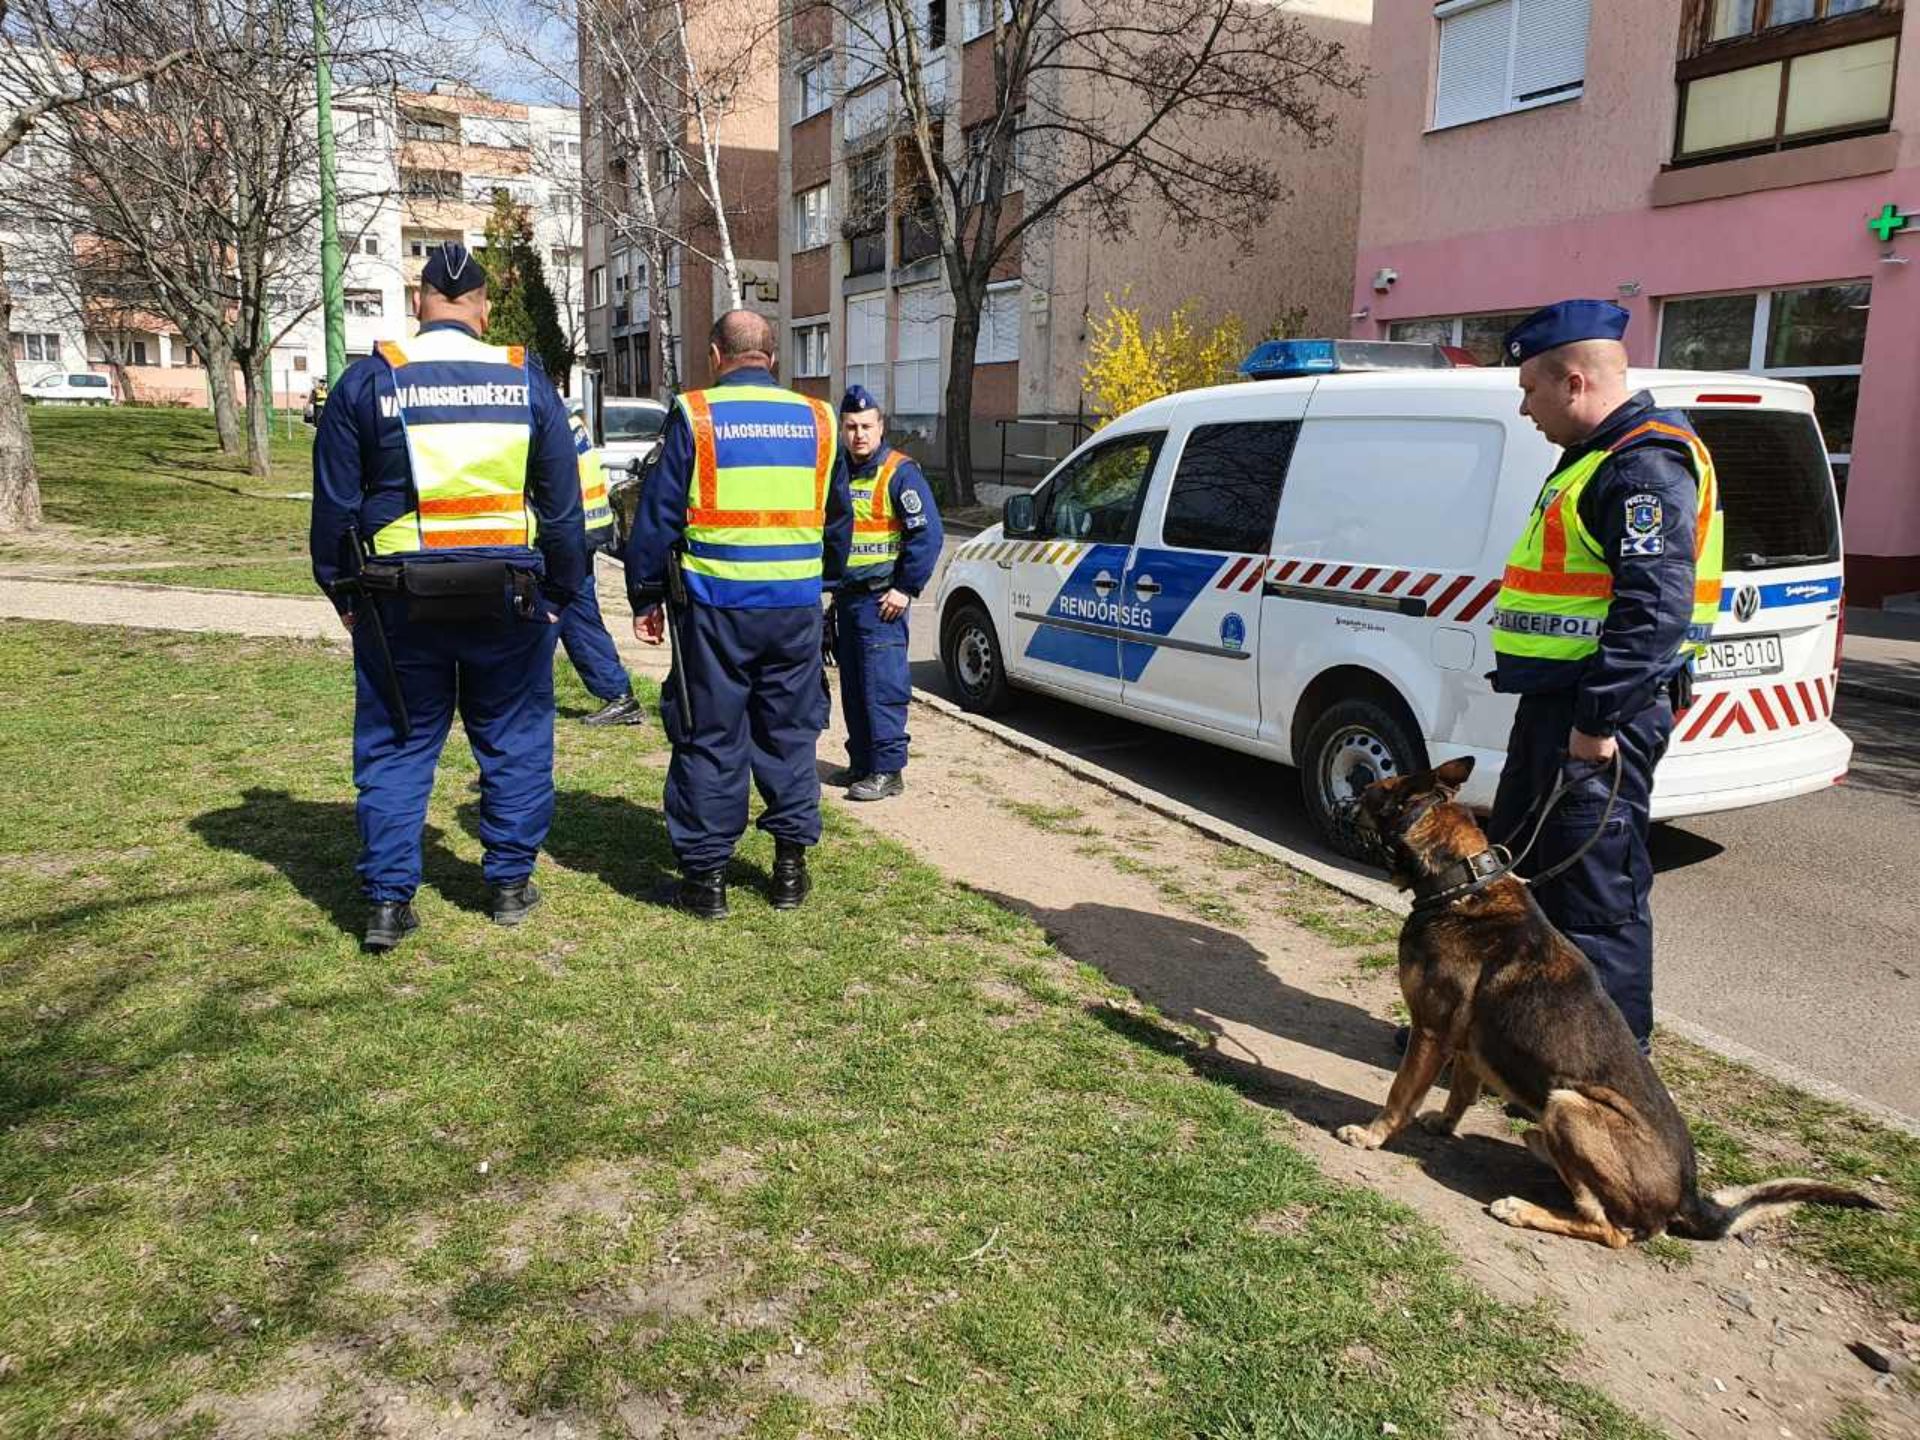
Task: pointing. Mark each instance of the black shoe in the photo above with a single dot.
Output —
(844, 776)
(510, 904)
(625, 710)
(877, 787)
(390, 922)
(703, 894)
(791, 882)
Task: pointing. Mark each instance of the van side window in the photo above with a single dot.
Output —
(1227, 487)
(1097, 497)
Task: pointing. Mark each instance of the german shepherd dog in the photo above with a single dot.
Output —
(1495, 988)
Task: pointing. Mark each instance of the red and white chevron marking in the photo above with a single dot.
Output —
(1784, 706)
(1459, 598)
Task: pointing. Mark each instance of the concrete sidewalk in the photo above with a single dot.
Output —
(1880, 659)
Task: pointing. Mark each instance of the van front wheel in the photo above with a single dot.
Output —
(975, 666)
(1353, 743)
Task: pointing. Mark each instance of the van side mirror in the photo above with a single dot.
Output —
(1018, 517)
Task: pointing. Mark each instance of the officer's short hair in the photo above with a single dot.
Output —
(742, 332)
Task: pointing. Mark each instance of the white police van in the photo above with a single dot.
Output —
(1303, 567)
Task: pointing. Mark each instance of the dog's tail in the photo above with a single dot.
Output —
(1740, 1207)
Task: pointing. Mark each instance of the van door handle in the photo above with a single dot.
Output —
(1103, 584)
(1146, 586)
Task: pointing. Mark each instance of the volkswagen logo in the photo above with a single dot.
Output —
(1746, 603)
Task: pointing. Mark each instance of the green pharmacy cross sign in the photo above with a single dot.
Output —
(1891, 221)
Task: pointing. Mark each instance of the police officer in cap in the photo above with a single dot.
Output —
(582, 632)
(747, 503)
(447, 525)
(1610, 591)
(896, 548)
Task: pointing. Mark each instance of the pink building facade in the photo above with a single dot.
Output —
(1742, 175)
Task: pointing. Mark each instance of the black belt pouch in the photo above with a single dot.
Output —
(466, 592)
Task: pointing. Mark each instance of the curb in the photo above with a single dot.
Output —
(1884, 694)
(1383, 896)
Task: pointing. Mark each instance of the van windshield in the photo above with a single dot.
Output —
(1774, 485)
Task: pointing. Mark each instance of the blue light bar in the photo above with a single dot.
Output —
(1284, 359)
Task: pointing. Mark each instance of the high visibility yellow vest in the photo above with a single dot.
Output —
(593, 487)
(876, 529)
(466, 409)
(756, 511)
(1554, 597)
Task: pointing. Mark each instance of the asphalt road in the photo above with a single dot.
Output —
(1789, 928)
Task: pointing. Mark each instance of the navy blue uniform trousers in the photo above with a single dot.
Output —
(875, 686)
(754, 677)
(500, 678)
(1601, 904)
(589, 646)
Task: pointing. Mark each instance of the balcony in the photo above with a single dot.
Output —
(866, 112)
(919, 237)
(867, 253)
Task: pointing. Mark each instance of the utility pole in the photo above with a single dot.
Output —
(333, 302)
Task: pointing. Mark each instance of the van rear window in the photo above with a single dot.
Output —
(1774, 487)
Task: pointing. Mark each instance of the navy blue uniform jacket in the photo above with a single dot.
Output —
(919, 516)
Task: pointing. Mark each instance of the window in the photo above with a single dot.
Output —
(181, 352)
(484, 189)
(1773, 486)
(916, 367)
(369, 244)
(668, 164)
(867, 344)
(497, 134)
(673, 267)
(810, 350)
(35, 345)
(1227, 488)
(1010, 180)
(299, 362)
(999, 340)
(810, 218)
(434, 128)
(1482, 336)
(1734, 18)
(812, 80)
(1821, 94)
(597, 284)
(1498, 56)
(1096, 496)
(977, 17)
(136, 352)
(1816, 335)
(366, 303)
(430, 184)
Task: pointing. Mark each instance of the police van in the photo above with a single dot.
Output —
(1303, 567)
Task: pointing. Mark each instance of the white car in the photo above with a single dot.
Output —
(1304, 567)
(70, 388)
(631, 431)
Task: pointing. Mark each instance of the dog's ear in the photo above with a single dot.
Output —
(1454, 773)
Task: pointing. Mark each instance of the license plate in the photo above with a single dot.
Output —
(1738, 658)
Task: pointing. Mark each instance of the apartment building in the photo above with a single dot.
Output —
(870, 305)
(1742, 175)
(621, 343)
(414, 168)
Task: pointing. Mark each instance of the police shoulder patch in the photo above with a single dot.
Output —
(1643, 514)
(910, 502)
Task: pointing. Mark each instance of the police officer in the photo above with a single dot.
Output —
(435, 450)
(746, 500)
(1611, 589)
(896, 547)
(584, 634)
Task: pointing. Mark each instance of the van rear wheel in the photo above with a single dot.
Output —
(975, 666)
(1353, 743)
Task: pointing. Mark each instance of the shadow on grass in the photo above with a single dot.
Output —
(314, 842)
(622, 844)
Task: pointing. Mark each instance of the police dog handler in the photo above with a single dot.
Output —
(1611, 590)
(896, 549)
(447, 527)
(741, 523)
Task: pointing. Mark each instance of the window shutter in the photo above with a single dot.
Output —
(999, 339)
(1550, 48)
(1471, 83)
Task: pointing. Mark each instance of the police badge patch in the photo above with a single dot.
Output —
(1643, 527)
(910, 502)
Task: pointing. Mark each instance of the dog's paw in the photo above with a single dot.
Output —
(1437, 1122)
(1361, 1137)
(1508, 1208)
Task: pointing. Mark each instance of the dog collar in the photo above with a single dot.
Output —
(1462, 878)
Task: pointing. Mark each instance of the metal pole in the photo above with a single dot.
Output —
(332, 298)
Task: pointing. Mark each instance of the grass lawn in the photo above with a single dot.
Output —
(154, 480)
(889, 1166)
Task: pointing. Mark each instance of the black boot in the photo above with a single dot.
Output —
(388, 923)
(878, 786)
(791, 882)
(623, 710)
(510, 904)
(703, 894)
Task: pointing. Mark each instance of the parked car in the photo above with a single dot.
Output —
(1304, 568)
(631, 431)
(70, 387)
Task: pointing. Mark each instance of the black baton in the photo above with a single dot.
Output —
(676, 606)
(368, 614)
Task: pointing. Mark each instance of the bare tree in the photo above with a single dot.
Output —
(1098, 109)
(42, 76)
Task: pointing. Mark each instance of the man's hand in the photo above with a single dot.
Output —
(1593, 749)
(894, 604)
(346, 619)
(650, 625)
